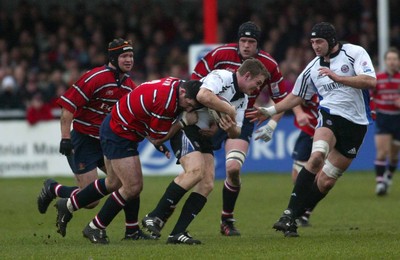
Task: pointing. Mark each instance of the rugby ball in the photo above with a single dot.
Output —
(215, 115)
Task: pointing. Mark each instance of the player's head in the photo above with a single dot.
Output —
(325, 31)
(251, 75)
(249, 30)
(249, 38)
(188, 92)
(116, 48)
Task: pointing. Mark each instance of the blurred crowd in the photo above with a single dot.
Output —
(43, 52)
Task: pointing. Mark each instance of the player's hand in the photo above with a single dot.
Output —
(265, 133)
(66, 147)
(163, 149)
(303, 119)
(226, 123)
(261, 114)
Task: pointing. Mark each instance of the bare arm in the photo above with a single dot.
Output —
(287, 103)
(301, 117)
(210, 100)
(65, 122)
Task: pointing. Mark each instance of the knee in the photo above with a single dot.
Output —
(316, 161)
(196, 172)
(207, 187)
(133, 190)
(326, 183)
(112, 184)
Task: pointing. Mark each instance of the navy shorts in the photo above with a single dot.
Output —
(349, 136)
(114, 146)
(189, 140)
(302, 147)
(388, 124)
(87, 155)
(245, 134)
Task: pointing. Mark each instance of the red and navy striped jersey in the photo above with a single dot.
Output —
(149, 110)
(92, 97)
(227, 57)
(386, 92)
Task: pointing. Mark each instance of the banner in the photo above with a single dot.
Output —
(33, 151)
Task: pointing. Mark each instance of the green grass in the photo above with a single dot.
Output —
(351, 223)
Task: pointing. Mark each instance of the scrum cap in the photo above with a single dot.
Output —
(325, 31)
(249, 29)
(116, 48)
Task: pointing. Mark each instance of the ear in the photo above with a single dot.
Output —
(247, 75)
(182, 91)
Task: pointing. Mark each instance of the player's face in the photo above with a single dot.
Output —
(247, 47)
(187, 104)
(125, 61)
(320, 46)
(392, 62)
(250, 84)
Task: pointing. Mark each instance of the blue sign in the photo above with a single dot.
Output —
(271, 157)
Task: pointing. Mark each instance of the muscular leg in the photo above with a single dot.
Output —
(129, 172)
(198, 198)
(193, 164)
(231, 189)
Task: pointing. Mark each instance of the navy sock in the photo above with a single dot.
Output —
(229, 196)
(301, 189)
(110, 209)
(166, 206)
(193, 205)
(93, 192)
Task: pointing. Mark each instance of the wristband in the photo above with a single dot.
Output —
(272, 124)
(268, 111)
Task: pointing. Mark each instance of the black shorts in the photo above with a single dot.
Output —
(302, 147)
(87, 155)
(245, 134)
(115, 146)
(189, 140)
(388, 124)
(349, 136)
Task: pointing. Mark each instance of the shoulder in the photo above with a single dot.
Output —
(266, 58)
(352, 49)
(225, 49)
(314, 63)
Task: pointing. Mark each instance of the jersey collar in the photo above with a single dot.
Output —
(323, 63)
(238, 93)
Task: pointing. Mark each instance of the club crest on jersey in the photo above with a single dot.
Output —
(345, 68)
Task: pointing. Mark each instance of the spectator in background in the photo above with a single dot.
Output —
(38, 110)
(386, 105)
(10, 97)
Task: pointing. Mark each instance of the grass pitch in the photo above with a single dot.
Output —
(350, 223)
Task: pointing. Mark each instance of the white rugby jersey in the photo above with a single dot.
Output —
(336, 98)
(224, 84)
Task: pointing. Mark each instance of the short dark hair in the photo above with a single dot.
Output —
(192, 87)
(255, 67)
